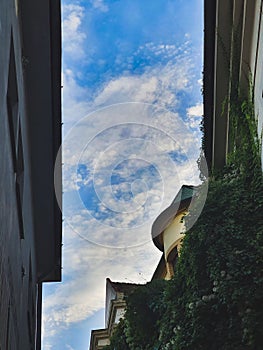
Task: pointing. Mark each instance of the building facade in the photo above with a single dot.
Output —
(30, 137)
(114, 311)
(168, 231)
(233, 58)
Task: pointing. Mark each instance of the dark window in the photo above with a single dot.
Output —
(15, 134)
(12, 102)
(174, 262)
(31, 308)
(8, 327)
(172, 259)
(19, 177)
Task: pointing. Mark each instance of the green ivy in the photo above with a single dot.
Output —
(139, 330)
(215, 299)
(118, 339)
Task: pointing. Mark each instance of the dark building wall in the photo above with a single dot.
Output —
(18, 284)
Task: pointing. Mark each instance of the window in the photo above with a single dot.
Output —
(12, 102)
(15, 134)
(119, 315)
(8, 327)
(172, 260)
(19, 178)
(31, 307)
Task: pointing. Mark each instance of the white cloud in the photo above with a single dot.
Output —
(156, 85)
(132, 157)
(99, 5)
(75, 100)
(161, 130)
(72, 35)
(195, 114)
(69, 347)
(133, 133)
(159, 84)
(165, 51)
(195, 111)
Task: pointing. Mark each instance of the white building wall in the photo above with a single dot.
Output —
(173, 233)
(120, 312)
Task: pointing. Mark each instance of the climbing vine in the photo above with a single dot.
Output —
(215, 299)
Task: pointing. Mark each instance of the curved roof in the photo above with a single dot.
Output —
(181, 202)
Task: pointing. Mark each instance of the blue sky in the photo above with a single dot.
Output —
(132, 104)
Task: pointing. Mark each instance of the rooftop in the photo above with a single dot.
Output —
(122, 287)
(180, 203)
